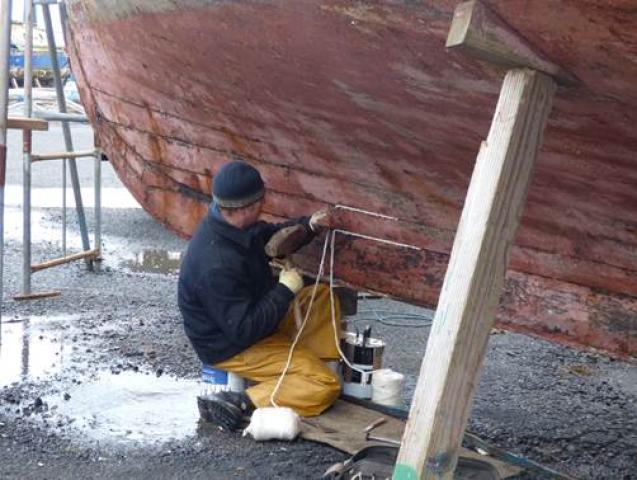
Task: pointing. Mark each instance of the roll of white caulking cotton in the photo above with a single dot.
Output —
(273, 423)
(387, 387)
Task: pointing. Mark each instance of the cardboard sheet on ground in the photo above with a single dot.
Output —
(343, 425)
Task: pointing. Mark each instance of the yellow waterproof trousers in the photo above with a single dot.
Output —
(309, 386)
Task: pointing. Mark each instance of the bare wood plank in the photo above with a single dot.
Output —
(473, 282)
(24, 123)
(62, 260)
(478, 31)
(37, 295)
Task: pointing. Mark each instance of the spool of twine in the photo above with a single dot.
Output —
(387, 387)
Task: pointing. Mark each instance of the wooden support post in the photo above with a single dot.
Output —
(473, 282)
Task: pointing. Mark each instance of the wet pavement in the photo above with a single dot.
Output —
(125, 407)
(35, 347)
(101, 381)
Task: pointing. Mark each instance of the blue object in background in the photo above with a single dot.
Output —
(41, 60)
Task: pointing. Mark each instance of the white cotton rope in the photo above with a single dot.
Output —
(366, 212)
(298, 334)
(330, 239)
(369, 237)
(364, 373)
(282, 423)
(379, 240)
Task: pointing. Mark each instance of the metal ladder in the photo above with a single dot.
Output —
(28, 123)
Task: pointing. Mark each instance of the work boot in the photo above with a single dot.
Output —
(229, 410)
(239, 400)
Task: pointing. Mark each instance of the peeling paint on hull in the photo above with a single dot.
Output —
(358, 103)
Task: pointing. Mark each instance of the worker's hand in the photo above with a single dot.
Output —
(321, 219)
(291, 278)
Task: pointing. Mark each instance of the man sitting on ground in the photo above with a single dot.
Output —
(239, 318)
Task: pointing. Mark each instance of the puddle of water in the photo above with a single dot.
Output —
(50, 197)
(154, 261)
(34, 347)
(117, 250)
(133, 407)
(43, 228)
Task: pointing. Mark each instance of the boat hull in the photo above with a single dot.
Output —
(358, 104)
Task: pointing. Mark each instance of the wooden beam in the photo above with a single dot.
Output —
(62, 260)
(24, 123)
(473, 282)
(478, 31)
(37, 295)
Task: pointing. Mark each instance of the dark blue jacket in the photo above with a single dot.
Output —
(227, 295)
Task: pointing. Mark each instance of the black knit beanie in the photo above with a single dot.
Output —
(237, 184)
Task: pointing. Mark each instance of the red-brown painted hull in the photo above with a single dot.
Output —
(358, 103)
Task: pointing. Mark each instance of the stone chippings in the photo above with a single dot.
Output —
(570, 410)
(573, 411)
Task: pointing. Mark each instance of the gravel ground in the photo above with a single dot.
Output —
(100, 382)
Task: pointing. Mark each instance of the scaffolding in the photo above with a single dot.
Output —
(28, 123)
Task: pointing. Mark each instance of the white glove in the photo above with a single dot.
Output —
(291, 278)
